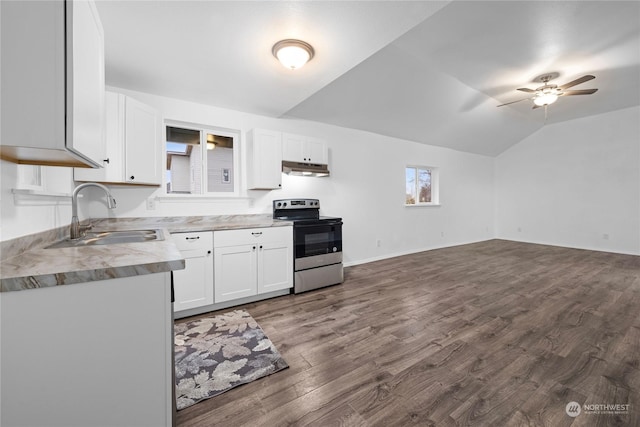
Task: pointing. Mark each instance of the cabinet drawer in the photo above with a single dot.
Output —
(252, 235)
(190, 241)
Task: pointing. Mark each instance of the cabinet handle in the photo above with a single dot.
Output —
(260, 246)
(208, 252)
(254, 248)
(192, 238)
(257, 233)
(106, 160)
(133, 177)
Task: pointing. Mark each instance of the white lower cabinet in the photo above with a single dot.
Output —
(235, 272)
(275, 266)
(89, 354)
(252, 261)
(193, 286)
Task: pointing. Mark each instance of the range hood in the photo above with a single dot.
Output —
(304, 169)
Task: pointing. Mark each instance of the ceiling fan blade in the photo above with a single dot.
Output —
(512, 102)
(526, 89)
(579, 92)
(577, 82)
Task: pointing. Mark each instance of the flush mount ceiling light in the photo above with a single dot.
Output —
(292, 53)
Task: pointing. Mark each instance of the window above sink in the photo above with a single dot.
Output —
(200, 161)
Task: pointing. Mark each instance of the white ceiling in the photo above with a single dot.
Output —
(426, 71)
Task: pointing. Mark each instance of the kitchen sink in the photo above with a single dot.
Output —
(96, 238)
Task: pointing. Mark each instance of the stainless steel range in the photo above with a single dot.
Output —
(318, 243)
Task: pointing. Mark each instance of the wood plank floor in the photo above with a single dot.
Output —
(496, 333)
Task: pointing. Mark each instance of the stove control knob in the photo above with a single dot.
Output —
(284, 205)
(279, 204)
(335, 249)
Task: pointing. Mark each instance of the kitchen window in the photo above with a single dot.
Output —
(421, 186)
(201, 161)
(30, 177)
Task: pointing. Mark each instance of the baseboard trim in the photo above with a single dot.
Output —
(558, 245)
(410, 251)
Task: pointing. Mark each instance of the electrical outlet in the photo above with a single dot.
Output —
(442, 234)
(519, 229)
(378, 243)
(151, 204)
(605, 236)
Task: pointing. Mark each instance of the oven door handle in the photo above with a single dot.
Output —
(323, 224)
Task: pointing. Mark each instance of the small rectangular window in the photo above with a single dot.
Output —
(30, 177)
(200, 161)
(421, 186)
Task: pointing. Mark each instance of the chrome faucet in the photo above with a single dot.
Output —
(77, 231)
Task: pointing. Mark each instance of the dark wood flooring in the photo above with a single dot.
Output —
(496, 333)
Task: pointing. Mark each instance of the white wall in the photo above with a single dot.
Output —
(22, 215)
(366, 186)
(574, 184)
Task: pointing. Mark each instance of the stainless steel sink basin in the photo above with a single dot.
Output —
(94, 238)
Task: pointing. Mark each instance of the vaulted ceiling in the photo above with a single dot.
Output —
(426, 71)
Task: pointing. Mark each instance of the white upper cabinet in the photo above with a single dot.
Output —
(143, 149)
(134, 148)
(304, 149)
(264, 159)
(52, 80)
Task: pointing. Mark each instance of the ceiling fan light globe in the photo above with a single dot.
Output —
(545, 99)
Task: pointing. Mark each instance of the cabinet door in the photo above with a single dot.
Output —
(265, 159)
(275, 266)
(142, 145)
(108, 338)
(316, 151)
(235, 272)
(113, 165)
(193, 286)
(85, 81)
(52, 79)
(293, 148)
(304, 149)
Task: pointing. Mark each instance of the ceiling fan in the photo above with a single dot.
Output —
(549, 93)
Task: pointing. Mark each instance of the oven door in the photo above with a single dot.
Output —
(318, 238)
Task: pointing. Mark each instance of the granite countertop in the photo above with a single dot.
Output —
(178, 224)
(33, 266)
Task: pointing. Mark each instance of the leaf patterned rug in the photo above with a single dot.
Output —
(217, 353)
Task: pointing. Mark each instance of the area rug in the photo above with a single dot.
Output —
(218, 353)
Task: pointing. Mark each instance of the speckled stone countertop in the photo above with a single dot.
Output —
(177, 224)
(29, 265)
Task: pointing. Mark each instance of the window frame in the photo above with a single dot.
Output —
(204, 130)
(435, 185)
(31, 177)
